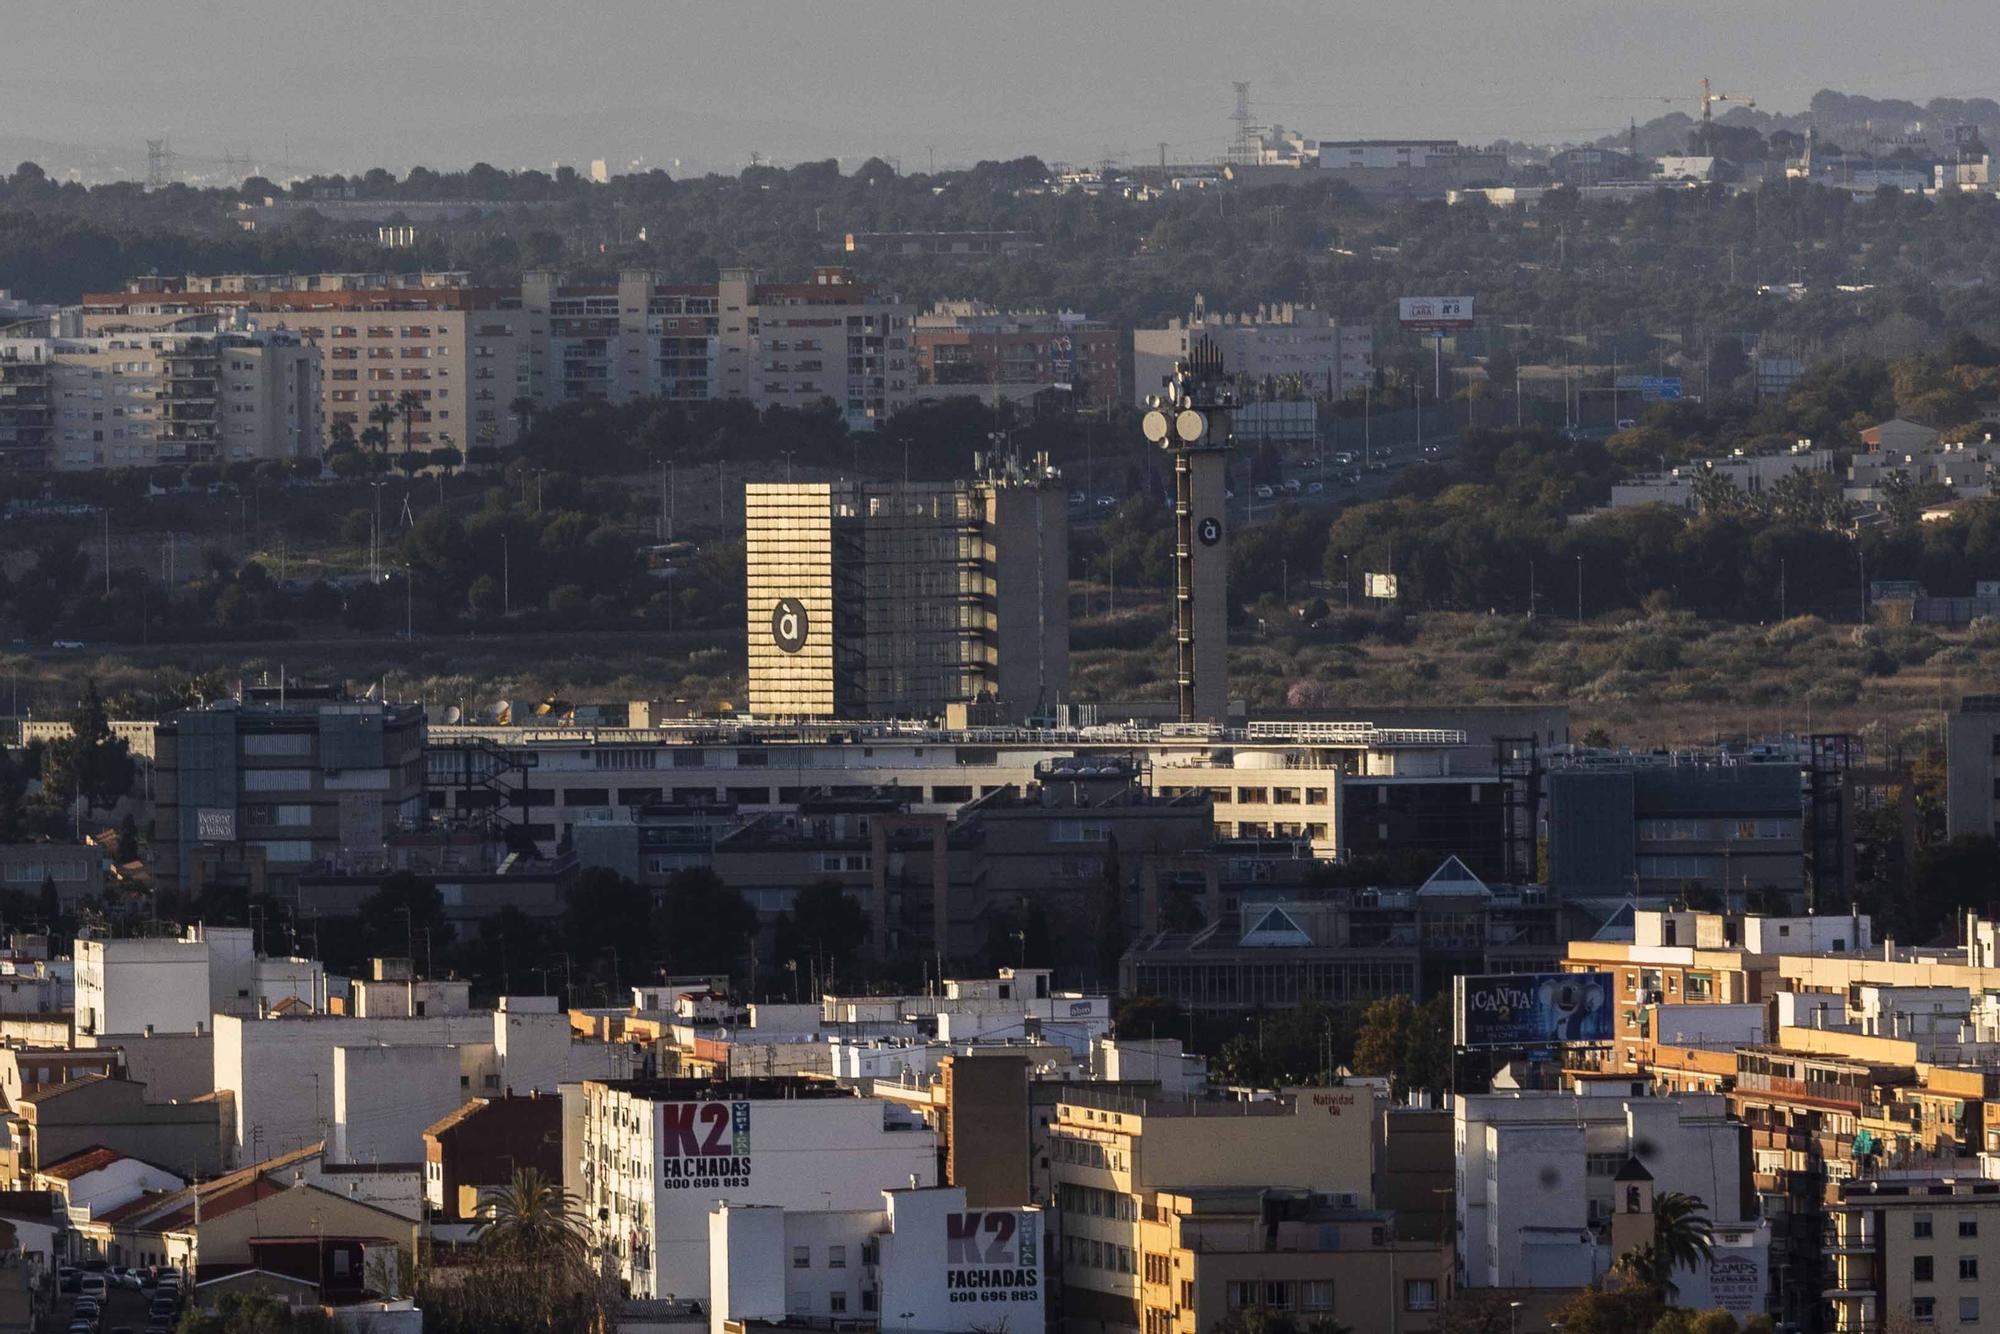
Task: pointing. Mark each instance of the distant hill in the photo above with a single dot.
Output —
(1848, 119)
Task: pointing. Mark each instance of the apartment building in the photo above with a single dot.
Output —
(1553, 1187)
(194, 393)
(650, 1160)
(833, 339)
(1212, 1254)
(968, 349)
(284, 779)
(1324, 355)
(1921, 1254)
(378, 336)
(1109, 1158)
(1265, 780)
(885, 600)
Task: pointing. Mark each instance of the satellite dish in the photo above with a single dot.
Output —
(501, 712)
(1154, 424)
(453, 714)
(1190, 426)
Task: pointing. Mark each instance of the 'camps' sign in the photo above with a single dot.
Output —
(705, 1145)
(992, 1255)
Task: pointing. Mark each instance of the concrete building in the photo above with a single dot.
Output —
(1272, 947)
(1652, 829)
(874, 600)
(1544, 1181)
(285, 1074)
(1282, 778)
(282, 780)
(833, 339)
(1924, 1250)
(968, 349)
(479, 1147)
(377, 336)
(194, 393)
(1112, 1155)
(1402, 168)
(1751, 474)
(923, 1259)
(161, 985)
(650, 1160)
(1972, 767)
(1328, 356)
(75, 869)
(190, 1138)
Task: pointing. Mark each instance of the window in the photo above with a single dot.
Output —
(802, 1257)
(1278, 1295)
(1239, 1296)
(1968, 1269)
(836, 1302)
(1920, 1226)
(1920, 1269)
(1420, 1294)
(836, 1257)
(1968, 1310)
(1316, 1294)
(1968, 1226)
(1924, 1309)
(869, 1298)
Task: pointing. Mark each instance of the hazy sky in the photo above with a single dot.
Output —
(354, 83)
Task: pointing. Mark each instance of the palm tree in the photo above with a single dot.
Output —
(382, 416)
(1682, 1238)
(409, 405)
(535, 1219)
(341, 437)
(524, 409)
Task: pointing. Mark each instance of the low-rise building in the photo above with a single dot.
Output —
(651, 1160)
(972, 350)
(480, 1147)
(1315, 352)
(1554, 1187)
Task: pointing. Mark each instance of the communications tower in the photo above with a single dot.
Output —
(1190, 420)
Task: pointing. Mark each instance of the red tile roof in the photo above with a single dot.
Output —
(81, 1162)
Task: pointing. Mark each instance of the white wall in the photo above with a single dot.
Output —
(124, 985)
(536, 1052)
(958, 1269)
(281, 1070)
(746, 1264)
(807, 1154)
(1709, 1027)
(119, 1183)
(385, 1097)
(1807, 935)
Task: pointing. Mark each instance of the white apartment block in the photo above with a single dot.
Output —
(1331, 356)
(142, 397)
(1545, 1178)
(650, 1160)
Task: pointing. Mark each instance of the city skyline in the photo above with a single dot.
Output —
(639, 85)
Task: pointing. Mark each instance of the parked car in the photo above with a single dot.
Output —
(1078, 499)
(1315, 488)
(69, 1278)
(1264, 491)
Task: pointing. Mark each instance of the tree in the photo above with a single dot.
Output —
(524, 409)
(1409, 1043)
(1948, 879)
(90, 762)
(1270, 1320)
(606, 925)
(1714, 492)
(534, 1221)
(1681, 1239)
(404, 915)
(702, 924)
(824, 924)
(408, 405)
(254, 1313)
(1902, 502)
(529, 1268)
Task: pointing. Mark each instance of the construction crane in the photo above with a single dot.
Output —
(1706, 101)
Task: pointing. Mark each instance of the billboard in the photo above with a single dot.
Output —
(1531, 1009)
(1435, 314)
(1378, 585)
(704, 1145)
(993, 1255)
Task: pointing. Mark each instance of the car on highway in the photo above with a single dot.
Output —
(1264, 491)
(1315, 488)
